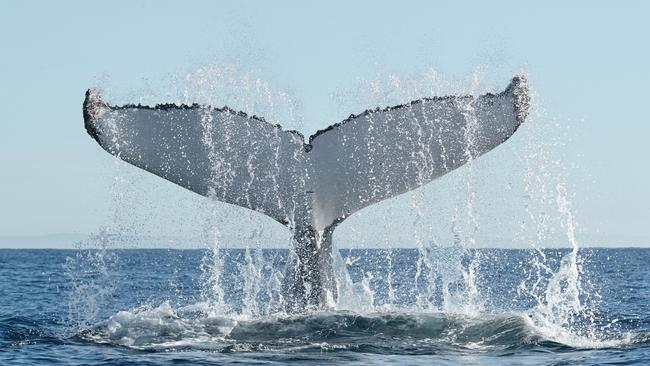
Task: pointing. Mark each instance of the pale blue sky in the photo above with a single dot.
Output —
(587, 63)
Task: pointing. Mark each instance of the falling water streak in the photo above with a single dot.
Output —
(251, 273)
(226, 85)
(424, 160)
(425, 249)
(212, 262)
(564, 310)
(422, 300)
(89, 272)
(536, 197)
(89, 277)
(357, 297)
(438, 274)
(388, 303)
(561, 314)
(471, 300)
(273, 290)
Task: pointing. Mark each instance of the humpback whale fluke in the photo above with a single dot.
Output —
(309, 186)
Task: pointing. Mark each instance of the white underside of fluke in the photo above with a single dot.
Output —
(246, 161)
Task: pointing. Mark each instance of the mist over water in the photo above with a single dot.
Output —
(412, 273)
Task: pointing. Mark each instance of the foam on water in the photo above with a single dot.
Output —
(191, 327)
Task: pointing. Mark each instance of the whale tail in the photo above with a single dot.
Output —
(309, 186)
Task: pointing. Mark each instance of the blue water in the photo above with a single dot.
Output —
(154, 307)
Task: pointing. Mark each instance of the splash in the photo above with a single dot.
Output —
(90, 272)
(563, 312)
(90, 281)
(441, 283)
(563, 307)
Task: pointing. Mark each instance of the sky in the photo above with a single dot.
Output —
(587, 64)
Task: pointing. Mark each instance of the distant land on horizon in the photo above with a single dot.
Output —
(79, 240)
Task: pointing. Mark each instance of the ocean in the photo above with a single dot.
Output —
(446, 306)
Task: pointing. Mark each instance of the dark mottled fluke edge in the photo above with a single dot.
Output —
(90, 105)
(518, 87)
(93, 100)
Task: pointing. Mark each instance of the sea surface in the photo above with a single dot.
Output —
(400, 306)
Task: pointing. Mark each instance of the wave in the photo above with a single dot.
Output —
(21, 331)
(165, 328)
